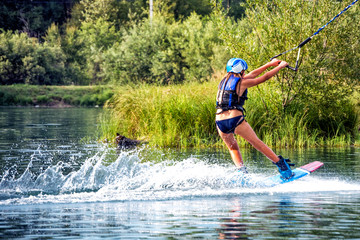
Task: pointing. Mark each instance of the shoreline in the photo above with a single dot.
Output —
(53, 104)
(23, 95)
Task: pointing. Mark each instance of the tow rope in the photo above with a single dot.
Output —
(309, 38)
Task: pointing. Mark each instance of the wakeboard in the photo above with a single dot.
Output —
(299, 172)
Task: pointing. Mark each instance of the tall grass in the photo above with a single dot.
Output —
(174, 116)
(183, 116)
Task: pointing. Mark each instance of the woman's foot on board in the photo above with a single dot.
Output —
(284, 167)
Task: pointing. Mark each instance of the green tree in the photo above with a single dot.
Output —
(183, 9)
(164, 53)
(87, 35)
(131, 59)
(25, 60)
(33, 17)
(97, 37)
(72, 46)
(119, 12)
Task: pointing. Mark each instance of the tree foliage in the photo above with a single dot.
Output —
(114, 41)
(25, 60)
(327, 64)
(327, 75)
(164, 53)
(33, 17)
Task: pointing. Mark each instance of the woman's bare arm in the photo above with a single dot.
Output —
(253, 74)
(248, 82)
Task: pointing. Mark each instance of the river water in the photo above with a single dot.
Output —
(58, 183)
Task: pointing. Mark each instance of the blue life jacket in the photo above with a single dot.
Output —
(227, 98)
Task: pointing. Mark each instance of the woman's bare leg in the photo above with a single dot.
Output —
(246, 132)
(233, 147)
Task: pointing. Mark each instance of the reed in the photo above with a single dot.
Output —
(174, 116)
(183, 116)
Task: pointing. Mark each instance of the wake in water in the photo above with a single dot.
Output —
(128, 177)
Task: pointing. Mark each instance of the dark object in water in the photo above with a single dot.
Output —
(126, 143)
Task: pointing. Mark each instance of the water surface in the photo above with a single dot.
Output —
(57, 183)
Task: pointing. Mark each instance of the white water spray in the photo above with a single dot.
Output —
(127, 178)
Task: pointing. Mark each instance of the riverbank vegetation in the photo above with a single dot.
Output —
(54, 96)
(183, 116)
(166, 70)
(306, 108)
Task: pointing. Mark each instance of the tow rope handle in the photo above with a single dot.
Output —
(309, 38)
(298, 56)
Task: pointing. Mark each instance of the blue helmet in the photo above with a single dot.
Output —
(236, 65)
